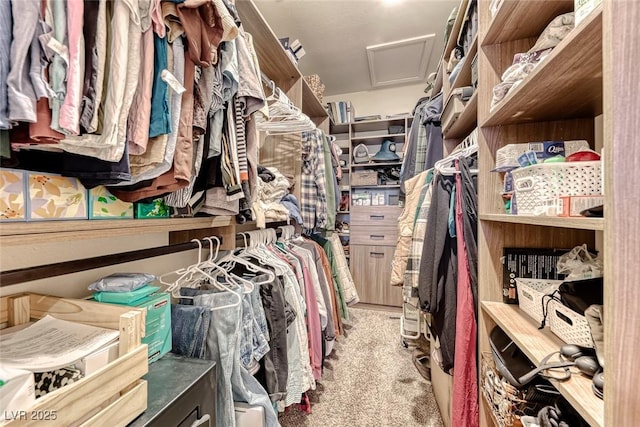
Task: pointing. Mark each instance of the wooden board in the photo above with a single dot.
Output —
(622, 222)
(56, 231)
(548, 221)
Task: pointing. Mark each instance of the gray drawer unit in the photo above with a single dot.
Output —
(181, 392)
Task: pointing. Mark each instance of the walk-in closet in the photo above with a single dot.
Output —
(258, 213)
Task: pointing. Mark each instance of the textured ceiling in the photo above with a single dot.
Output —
(335, 35)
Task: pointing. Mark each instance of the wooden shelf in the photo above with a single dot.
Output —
(455, 30)
(467, 120)
(464, 76)
(54, 231)
(548, 221)
(379, 187)
(537, 344)
(567, 84)
(369, 165)
(311, 105)
(365, 138)
(515, 20)
(342, 212)
(274, 61)
(339, 128)
(371, 125)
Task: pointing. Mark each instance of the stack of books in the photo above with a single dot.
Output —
(340, 112)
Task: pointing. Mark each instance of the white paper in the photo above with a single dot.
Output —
(52, 343)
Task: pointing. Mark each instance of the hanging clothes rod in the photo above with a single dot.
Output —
(21, 275)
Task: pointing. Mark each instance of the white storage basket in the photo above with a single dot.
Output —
(569, 326)
(531, 294)
(539, 186)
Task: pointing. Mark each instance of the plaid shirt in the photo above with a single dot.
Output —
(415, 250)
(313, 191)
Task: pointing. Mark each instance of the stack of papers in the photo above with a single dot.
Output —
(52, 343)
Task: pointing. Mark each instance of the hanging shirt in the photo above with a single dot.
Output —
(70, 109)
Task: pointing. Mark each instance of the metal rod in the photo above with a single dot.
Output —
(28, 274)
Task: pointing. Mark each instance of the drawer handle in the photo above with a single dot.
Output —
(376, 217)
(376, 254)
(376, 237)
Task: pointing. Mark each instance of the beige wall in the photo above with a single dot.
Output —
(75, 285)
(393, 100)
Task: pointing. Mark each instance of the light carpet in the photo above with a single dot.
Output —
(369, 380)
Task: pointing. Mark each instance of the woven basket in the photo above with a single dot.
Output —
(569, 326)
(367, 177)
(316, 85)
(539, 186)
(506, 402)
(531, 294)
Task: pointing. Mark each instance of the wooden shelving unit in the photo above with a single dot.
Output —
(536, 345)
(573, 67)
(377, 137)
(586, 75)
(464, 76)
(276, 64)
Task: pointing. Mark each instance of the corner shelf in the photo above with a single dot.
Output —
(548, 221)
(513, 20)
(548, 93)
(537, 344)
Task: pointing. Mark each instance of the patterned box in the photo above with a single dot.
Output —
(12, 195)
(53, 197)
(155, 209)
(104, 205)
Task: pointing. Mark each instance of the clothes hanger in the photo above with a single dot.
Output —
(211, 264)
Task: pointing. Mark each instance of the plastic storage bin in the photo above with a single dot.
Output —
(531, 294)
(538, 187)
(569, 326)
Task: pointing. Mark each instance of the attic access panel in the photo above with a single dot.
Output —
(400, 62)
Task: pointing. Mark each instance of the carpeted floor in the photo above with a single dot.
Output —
(369, 380)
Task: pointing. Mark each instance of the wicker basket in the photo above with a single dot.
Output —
(531, 294)
(569, 326)
(507, 403)
(366, 177)
(316, 85)
(539, 186)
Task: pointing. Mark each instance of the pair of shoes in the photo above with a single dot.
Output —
(422, 363)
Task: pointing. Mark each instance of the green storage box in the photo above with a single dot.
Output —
(155, 209)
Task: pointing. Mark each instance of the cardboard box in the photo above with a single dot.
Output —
(527, 263)
(13, 200)
(104, 205)
(156, 209)
(573, 205)
(158, 324)
(583, 8)
(54, 197)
